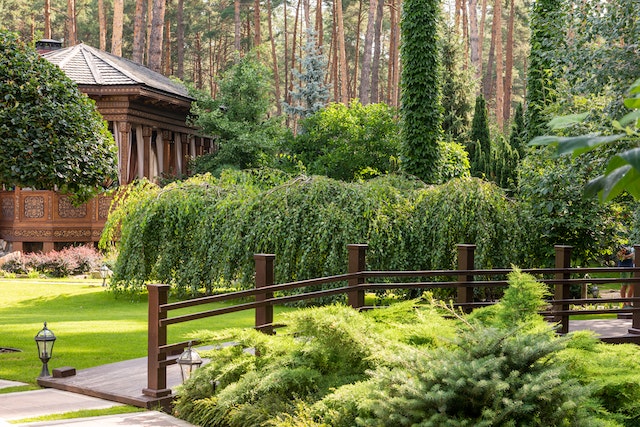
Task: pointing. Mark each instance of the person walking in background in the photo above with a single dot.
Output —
(625, 257)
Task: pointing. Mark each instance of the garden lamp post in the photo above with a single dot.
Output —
(45, 340)
(189, 361)
(104, 272)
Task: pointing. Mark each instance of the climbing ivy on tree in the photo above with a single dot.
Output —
(421, 108)
(52, 136)
(547, 40)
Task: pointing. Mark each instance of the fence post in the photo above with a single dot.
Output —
(562, 291)
(157, 336)
(357, 262)
(465, 262)
(264, 277)
(635, 317)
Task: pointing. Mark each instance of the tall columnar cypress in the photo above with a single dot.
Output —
(547, 36)
(480, 139)
(421, 108)
(518, 131)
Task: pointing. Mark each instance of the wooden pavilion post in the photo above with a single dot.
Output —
(157, 336)
(264, 277)
(465, 262)
(357, 262)
(635, 316)
(562, 291)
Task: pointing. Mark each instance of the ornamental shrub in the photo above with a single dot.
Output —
(202, 233)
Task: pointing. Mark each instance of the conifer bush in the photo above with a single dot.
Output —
(417, 363)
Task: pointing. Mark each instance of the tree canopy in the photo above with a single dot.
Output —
(51, 135)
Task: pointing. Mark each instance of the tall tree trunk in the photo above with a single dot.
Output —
(306, 13)
(394, 55)
(342, 53)
(157, 36)
(334, 65)
(139, 31)
(483, 18)
(496, 33)
(236, 25)
(276, 74)
(508, 71)
(47, 19)
(365, 72)
(102, 25)
(72, 31)
(180, 40)
(168, 66)
(377, 50)
(197, 63)
(474, 42)
(294, 40)
(353, 84)
(118, 19)
(149, 25)
(257, 36)
(287, 99)
(319, 24)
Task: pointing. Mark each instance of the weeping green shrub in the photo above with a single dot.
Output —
(201, 234)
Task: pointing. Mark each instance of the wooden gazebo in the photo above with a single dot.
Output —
(147, 114)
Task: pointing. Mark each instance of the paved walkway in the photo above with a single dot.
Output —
(28, 404)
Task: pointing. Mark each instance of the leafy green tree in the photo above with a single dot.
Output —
(421, 107)
(310, 92)
(623, 169)
(51, 134)
(238, 117)
(547, 41)
(349, 142)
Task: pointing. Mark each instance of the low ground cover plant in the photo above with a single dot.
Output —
(417, 363)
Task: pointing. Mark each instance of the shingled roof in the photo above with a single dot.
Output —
(87, 65)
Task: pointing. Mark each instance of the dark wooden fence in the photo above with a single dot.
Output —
(465, 280)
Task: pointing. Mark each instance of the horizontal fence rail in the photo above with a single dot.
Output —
(358, 281)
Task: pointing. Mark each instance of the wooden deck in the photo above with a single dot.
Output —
(119, 382)
(123, 381)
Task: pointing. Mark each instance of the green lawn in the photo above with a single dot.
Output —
(92, 326)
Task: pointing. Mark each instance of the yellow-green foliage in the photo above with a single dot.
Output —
(611, 371)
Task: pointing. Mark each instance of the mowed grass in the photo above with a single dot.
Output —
(92, 326)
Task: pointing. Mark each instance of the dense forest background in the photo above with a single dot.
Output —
(197, 40)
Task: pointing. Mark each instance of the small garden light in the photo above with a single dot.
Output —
(45, 340)
(104, 272)
(189, 361)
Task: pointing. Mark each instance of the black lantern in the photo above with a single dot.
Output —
(104, 272)
(189, 361)
(45, 340)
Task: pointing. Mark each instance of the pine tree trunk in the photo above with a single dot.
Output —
(508, 71)
(474, 42)
(149, 26)
(236, 23)
(47, 19)
(139, 27)
(344, 78)
(499, 103)
(353, 82)
(394, 55)
(483, 18)
(365, 72)
(180, 40)
(286, 62)
(157, 36)
(72, 32)
(276, 74)
(319, 25)
(118, 19)
(168, 66)
(257, 36)
(377, 51)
